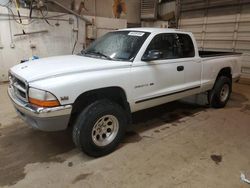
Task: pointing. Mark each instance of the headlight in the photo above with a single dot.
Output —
(42, 98)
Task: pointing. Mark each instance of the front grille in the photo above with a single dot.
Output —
(20, 87)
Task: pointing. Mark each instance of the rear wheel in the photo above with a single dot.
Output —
(220, 94)
(99, 128)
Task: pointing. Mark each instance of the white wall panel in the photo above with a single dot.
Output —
(59, 40)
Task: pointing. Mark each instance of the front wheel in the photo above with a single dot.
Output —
(220, 94)
(99, 128)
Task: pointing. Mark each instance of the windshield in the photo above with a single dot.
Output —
(119, 45)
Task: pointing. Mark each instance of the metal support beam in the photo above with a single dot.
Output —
(177, 12)
(31, 33)
(69, 11)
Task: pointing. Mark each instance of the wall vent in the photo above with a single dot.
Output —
(149, 9)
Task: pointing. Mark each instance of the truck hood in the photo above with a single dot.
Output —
(61, 65)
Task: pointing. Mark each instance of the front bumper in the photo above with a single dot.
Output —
(45, 119)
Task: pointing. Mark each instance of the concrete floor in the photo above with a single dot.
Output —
(180, 144)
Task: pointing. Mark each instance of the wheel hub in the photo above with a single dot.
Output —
(224, 92)
(105, 130)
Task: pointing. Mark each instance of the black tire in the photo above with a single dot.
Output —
(214, 96)
(87, 119)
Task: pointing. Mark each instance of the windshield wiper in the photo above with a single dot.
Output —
(99, 54)
(82, 52)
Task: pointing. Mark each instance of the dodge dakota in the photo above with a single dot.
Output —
(122, 72)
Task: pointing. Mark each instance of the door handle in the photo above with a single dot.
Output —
(180, 68)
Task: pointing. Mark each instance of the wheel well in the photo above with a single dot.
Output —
(114, 94)
(225, 72)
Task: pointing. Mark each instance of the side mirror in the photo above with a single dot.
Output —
(152, 55)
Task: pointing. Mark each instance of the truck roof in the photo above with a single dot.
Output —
(154, 30)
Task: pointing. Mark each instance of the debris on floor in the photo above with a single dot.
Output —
(245, 177)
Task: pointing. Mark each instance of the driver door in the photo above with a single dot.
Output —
(155, 82)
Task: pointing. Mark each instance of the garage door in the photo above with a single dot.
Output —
(219, 25)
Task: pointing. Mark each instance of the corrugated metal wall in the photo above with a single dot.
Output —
(219, 25)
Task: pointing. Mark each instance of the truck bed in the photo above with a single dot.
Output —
(204, 54)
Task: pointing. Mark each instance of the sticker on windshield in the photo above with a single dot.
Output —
(138, 34)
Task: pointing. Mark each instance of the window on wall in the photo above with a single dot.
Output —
(172, 46)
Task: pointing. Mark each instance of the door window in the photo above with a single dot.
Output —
(172, 46)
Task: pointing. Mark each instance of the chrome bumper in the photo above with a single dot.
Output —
(46, 119)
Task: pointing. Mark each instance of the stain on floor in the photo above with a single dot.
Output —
(164, 128)
(216, 158)
(81, 177)
(246, 109)
(174, 124)
(131, 137)
(70, 164)
(21, 145)
(172, 112)
(237, 100)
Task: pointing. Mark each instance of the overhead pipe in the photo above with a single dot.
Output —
(70, 11)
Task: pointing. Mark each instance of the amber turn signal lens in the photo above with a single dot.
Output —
(52, 103)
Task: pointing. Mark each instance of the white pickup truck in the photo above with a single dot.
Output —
(120, 73)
